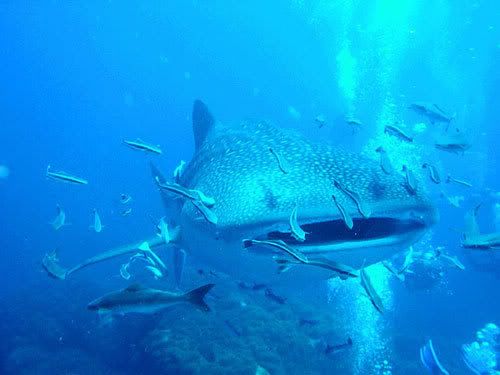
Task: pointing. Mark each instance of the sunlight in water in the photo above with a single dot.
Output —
(347, 80)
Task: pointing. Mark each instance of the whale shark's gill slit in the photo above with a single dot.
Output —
(335, 231)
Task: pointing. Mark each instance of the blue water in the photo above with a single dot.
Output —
(78, 79)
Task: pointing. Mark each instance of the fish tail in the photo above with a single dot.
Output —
(196, 296)
(247, 243)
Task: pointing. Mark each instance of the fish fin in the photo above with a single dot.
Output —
(246, 243)
(196, 296)
(283, 268)
(105, 317)
(134, 287)
(145, 246)
(203, 122)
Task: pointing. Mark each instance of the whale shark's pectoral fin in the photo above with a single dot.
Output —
(203, 122)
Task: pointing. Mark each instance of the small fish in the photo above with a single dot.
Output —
(370, 291)
(432, 112)
(450, 179)
(320, 120)
(125, 198)
(155, 271)
(193, 195)
(388, 265)
(124, 271)
(430, 360)
(332, 349)
(398, 133)
(297, 232)
(433, 173)
(179, 170)
(454, 261)
(277, 244)
(342, 270)
(162, 231)
(97, 227)
(458, 148)
(274, 297)
(60, 219)
(355, 197)
(345, 215)
(180, 256)
(207, 213)
(143, 146)
(126, 212)
(385, 163)
(147, 249)
(408, 261)
(410, 181)
(278, 158)
(65, 177)
(354, 122)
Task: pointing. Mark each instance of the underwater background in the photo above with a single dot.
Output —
(77, 79)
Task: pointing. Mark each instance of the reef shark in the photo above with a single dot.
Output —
(257, 174)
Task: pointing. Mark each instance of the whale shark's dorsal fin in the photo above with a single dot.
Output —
(203, 122)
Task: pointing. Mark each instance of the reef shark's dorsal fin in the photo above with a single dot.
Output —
(203, 122)
(134, 288)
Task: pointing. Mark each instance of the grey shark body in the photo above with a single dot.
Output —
(138, 299)
(254, 198)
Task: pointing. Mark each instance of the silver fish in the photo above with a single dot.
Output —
(370, 291)
(97, 227)
(277, 244)
(398, 133)
(433, 173)
(345, 215)
(65, 177)
(450, 179)
(385, 163)
(355, 197)
(297, 232)
(278, 159)
(410, 180)
(140, 145)
(60, 220)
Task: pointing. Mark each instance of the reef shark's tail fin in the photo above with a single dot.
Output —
(196, 296)
(471, 226)
(203, 122)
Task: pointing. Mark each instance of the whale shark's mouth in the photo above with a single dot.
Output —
(331, 235)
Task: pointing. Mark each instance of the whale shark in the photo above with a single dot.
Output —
(257, 173)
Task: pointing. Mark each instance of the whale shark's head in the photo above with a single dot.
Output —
(258, 173)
